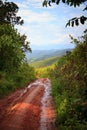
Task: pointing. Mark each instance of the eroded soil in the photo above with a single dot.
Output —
(29, 109)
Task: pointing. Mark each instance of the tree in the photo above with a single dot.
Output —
(8, 13)
(75, 3)
(14, 70)
(68, 2)
(12, 44)
(12, 48)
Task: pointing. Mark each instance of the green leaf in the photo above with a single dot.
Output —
(72, 23)
(76, 22)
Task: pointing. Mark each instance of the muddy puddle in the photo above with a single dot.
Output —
(47, 121)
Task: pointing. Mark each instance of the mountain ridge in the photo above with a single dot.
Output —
(38, 55)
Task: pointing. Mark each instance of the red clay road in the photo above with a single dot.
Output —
(29, 109)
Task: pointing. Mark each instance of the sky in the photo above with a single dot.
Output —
(45, 27)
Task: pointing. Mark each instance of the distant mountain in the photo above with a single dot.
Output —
(38, 55)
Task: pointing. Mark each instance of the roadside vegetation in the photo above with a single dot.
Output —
(69, 87)
(15, 72)
(43, 72)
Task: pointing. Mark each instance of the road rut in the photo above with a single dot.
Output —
(29, 109)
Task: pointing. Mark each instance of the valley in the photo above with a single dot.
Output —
(44, 58)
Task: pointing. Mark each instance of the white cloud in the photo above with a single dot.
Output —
(35, 3)
(22, 5)
(45, 27)
(31, 16)
(61, 38)
(43, 33)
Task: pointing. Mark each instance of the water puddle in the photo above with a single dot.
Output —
(36, 83)
(47, 121)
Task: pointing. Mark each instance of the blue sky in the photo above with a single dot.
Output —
(45, 27)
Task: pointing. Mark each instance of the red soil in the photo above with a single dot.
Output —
(21, 111)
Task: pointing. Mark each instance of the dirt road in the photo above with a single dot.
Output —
(29, 109)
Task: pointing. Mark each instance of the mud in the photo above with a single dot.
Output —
(29, 109)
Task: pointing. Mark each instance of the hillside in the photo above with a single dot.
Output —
(39, 55)
(45, 62)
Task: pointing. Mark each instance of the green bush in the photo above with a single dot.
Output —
(6, 85)
(25, 75)
(69, 88)
(13, 81)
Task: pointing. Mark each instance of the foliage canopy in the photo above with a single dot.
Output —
(12, 48)
(68, 2)
(75, 3)
(8, 13)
